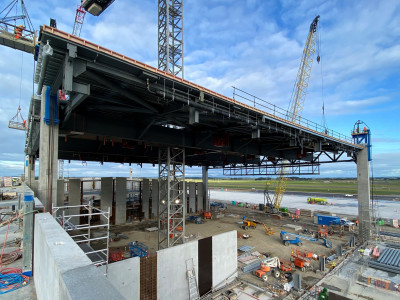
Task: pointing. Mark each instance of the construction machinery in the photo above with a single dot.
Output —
(301, 259)
(247, 223)
(288, 239)
(268, 230)
(267, 267)
(315, 200)
(296, 108)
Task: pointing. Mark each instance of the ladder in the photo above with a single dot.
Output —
(192, 282)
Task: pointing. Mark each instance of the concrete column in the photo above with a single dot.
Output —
(200, 195)
(74, 198)
(192, 197)
(48, 160)
(120, 200)
(205, 187)
(154, 198)
(106, 195)
(145, 198)
(364, 216)
(29, 170)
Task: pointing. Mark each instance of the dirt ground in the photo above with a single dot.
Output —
(271, 245)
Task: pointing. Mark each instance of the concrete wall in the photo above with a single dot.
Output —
(172, 281)
(200, 198)
(106, 195)
(364, 210)
(120, 200)
(62, 270)
(154, 198)
(125, 277)
(224, 260)
(74, 198)
(192, 197)
(145, 197)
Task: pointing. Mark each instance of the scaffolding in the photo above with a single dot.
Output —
(70, 222)
(171, 212)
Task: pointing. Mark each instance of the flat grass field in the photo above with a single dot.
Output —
(339, 186)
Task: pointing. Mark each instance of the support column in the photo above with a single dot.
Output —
(364, 204)
(145, 198)
(192, 197)
(120, 200)
(106, 196)
(205, 188)
(48, 149)
(74, 198)
(154, 198)
(171, 209)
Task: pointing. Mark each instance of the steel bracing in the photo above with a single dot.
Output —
(170, 36)
(171, 212)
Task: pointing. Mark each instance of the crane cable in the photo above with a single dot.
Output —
(322, 77)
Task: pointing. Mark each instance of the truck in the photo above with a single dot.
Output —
(314, 200)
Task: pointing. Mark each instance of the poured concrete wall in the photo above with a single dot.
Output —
(154, 198)
(145, 197)
(120, 200)
(224, 260)
(61, 269)
(125, 277)
(74, 198)
(107, 195)
(172, 281)
(192, 197)
(200, 199)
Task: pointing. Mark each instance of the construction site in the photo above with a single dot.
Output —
(167, 236)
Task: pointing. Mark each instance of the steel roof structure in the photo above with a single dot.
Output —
(121, 110)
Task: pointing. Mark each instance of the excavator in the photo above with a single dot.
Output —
(294, 113)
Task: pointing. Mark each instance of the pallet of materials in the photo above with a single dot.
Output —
(307, 213)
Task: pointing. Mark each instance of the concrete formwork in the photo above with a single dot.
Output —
(62, 270)
(192, 197)
(74, 198)
(106, 195)
(172, 282)
(154, 198)
(224, 260)
(120, 200)
(200, 199)
(145, 197)
(124, 275)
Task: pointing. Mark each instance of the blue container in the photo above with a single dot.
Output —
(328, 220)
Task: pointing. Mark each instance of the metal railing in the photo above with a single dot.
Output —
(272, 109)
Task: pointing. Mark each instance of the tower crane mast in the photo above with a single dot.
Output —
(296, 104)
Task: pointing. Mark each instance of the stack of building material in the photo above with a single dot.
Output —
(307, 212)
(7, 181)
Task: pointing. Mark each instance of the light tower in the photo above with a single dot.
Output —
(170, 36)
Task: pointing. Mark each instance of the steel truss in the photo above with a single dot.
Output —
(171, 205)
(170, 36)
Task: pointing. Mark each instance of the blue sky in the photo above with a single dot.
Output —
(254, 45)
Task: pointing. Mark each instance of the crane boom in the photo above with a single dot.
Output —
(297, 100)
(303, 74)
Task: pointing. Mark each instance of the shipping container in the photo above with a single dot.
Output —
(328, 220)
